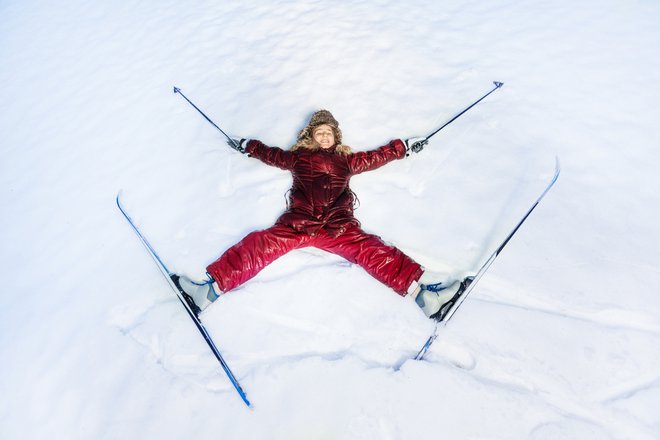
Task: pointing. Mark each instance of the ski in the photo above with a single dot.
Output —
(468, 283)
(172, 281)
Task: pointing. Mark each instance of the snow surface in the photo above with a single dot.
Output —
(561, 339)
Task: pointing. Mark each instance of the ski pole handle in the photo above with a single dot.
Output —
(497, 86)
(237, 147)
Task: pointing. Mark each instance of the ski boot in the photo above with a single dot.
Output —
(446, 307)
(198, 295)
(436, 299)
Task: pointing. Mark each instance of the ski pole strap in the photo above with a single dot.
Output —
(497, 86)
(178, 90)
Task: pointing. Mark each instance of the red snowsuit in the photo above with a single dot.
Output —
(319, 214)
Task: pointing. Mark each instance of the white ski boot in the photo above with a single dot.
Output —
(432, 297)
(201, 294)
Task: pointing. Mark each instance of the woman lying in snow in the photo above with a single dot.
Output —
(320, 214)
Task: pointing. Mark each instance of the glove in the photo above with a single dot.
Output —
(415, 144)
(238, 144)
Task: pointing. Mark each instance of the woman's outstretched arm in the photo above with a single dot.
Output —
(370, 160)
(273, 156)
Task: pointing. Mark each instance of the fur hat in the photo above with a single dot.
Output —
(321, 117)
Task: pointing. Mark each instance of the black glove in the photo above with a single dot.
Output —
(238, 144)
(415, 144)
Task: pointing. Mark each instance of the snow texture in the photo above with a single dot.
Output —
(560, 340)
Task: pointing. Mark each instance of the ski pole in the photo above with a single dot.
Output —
(236, 146)
(417, 146)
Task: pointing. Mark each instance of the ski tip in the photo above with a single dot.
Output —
(118, 198)
(176, 89)
(498, 84)
(557, 171)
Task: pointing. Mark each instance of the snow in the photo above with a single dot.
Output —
(559, 340)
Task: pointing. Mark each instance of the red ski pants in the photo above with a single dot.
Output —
(258, 249)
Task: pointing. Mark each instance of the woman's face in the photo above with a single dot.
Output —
(324, 136)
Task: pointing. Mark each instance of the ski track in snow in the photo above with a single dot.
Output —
(504, 294)
(559, 339)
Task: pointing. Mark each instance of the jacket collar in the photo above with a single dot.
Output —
(332, 149)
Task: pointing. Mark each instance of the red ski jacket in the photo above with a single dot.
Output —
(320, 196)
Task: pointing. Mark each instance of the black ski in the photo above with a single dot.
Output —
(187, 303)
(445, 314)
